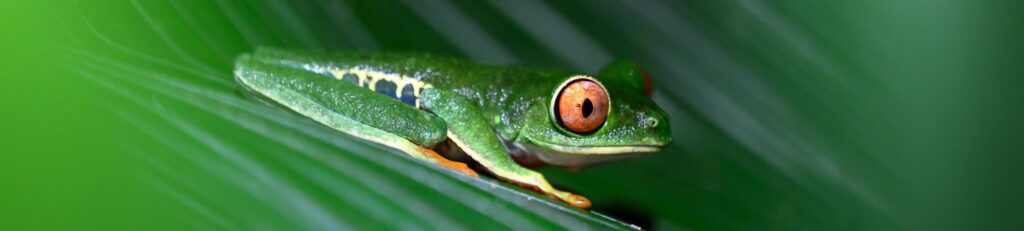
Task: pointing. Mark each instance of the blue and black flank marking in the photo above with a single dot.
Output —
(401, 88)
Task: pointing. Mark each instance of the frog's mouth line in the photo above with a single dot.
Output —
(583, 156)
(604, 150)
(599, 150)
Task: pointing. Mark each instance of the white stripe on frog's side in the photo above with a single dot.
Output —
(369, 79)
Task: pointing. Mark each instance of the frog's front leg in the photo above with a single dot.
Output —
(468, 128)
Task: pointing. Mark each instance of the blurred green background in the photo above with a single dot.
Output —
(786, 115)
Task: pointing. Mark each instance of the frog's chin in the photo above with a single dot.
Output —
(579, 156)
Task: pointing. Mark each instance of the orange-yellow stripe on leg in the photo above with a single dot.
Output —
(446, 163)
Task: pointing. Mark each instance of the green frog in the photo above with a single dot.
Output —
(508, 120)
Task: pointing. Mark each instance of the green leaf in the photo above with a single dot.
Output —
(785, 115)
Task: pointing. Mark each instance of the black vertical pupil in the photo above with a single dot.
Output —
(588, 108)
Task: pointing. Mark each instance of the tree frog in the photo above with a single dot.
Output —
(507, 119)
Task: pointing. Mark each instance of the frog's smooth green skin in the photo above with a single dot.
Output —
(495, 115)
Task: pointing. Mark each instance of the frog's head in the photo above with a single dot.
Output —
(595, 119)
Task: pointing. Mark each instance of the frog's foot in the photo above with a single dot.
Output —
(541, 186)
(446, 163)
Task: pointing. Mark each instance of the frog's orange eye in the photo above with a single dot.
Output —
(582, 106)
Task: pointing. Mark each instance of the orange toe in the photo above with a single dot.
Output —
(573, 200)
(578, 201)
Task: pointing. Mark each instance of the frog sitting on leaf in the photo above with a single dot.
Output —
(504, 118)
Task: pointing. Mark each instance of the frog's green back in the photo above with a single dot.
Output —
(503, 93)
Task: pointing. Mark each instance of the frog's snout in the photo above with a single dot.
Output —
(657, 126)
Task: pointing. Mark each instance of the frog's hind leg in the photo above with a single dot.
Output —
(350, 109)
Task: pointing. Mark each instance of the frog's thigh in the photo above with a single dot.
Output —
(468, 128)
(333, 117)
(317, 96)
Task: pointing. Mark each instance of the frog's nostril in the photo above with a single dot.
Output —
(651, 122)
